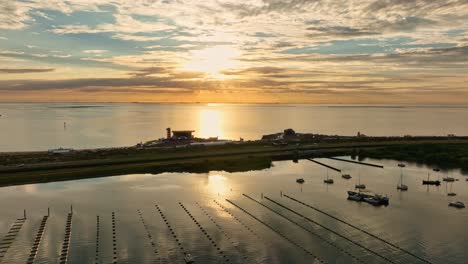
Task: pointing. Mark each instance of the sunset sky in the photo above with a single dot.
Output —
(266, 51)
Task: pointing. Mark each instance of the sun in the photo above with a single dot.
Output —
(213, 60)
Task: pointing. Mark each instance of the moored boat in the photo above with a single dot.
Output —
(430, 182)
(328, 181)
(448, 179)
(374, 199)
(360, 186)
(401, 186)
(300, 180)
(347, 176)
(457, 204)
(377, 200)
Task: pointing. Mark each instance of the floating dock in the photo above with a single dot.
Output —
(149, 235)
(168, 225)
(331, 243)
(332, 231)
(66, 240)
(357, 228)
(222, 231)
(277, 232)
(97, 240)
(358, 162)
(325, 165)
(10, 237)
(203, 230)
(37, 241)
(114, 239)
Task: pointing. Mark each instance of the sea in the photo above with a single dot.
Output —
(43, 126)
(261, 216)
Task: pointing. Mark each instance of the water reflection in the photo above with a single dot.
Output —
(410, 220)
(211, 123)
(217, 184)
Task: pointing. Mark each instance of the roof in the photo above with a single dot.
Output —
(183, 131)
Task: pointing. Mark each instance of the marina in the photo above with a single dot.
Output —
(230, 218)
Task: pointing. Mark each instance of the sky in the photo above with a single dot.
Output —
(231, 51)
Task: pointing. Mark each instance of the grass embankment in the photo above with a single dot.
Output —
(43, 167)
(444, 156)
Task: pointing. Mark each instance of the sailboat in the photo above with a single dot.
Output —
(346, 176)
(401, 186)
(328, 181)
(359, 185)
(451, 193)
(430, 182)
(448, 179)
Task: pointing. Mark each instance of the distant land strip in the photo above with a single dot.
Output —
(39, 167)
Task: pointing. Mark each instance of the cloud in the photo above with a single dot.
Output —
(23, 70)
(95, 51)
(334, 32)
(13, 15)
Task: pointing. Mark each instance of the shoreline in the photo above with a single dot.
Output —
(40, 167)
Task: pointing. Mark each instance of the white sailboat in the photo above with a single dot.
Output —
(401, 186)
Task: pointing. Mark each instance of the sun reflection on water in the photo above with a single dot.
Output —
(211, 123)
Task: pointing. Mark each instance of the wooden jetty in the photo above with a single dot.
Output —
(319, 260)
(332, 231)
(359, 229)
(203, 230)
(97, 240)
(325, 165)
(327, 241)
(66, 240)
(240, 221)
(37, 241)
(358, 162)
(148, 233)
(114, 240)
(234, 243)
(10, 237)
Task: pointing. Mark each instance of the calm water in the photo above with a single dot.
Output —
(418, 220)
(41, 126)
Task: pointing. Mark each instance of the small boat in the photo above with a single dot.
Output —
(328, 180)
(431, 182)
(354, 197)
(358, 196)
(401, 186)
(451, 193)
(401, 165)
(360, 186)
(448, 179)
(347, 176)
(300, 180)
(189, 258)
(377, 200)
(457, 204)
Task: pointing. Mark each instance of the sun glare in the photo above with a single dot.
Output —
(210, 123)
(213, 60)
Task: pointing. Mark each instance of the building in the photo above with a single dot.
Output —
(179, 134)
